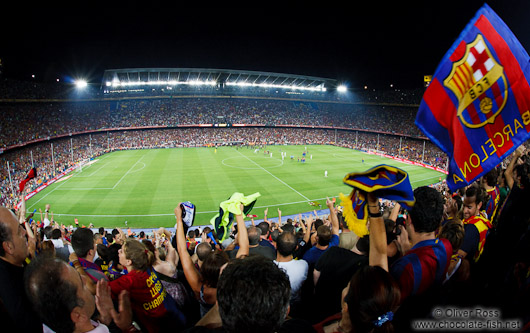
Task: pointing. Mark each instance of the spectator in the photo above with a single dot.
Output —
(489, 183)
(296, 269)
(15, 308)
(326, 237)
(253, 296)
(204, 283)
(476, 227)
(63, 302)
(84, 253)
(265, 234)
(154, 309)
(254, 234)
(421, 270)
(332, 273)
(372, 296)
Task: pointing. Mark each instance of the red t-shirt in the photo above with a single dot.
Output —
(147, 297)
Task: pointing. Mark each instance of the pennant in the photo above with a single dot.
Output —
(383, 181)
(31, 174)
(477, 107)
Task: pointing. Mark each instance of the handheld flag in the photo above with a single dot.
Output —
(477, 107)
(31, 174)
(383, 181)
(222, 222)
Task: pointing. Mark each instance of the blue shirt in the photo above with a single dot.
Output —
(313, 254)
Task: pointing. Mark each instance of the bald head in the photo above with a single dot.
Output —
(203, 250)
(254, 234)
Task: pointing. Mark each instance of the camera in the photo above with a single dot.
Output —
(400, 221)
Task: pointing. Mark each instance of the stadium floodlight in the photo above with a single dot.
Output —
(342, 88)
(81, 84)
(117, 83)
(278, 86)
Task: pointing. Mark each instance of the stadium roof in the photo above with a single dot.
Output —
(116, 78)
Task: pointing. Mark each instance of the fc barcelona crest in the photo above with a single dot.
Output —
(479, 83)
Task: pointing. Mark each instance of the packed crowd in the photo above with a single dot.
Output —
(22, 123)
(68, 152)
(452, 250)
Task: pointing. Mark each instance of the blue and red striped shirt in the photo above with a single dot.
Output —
(425, 265)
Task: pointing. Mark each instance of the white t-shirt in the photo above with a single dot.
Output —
(297, 272)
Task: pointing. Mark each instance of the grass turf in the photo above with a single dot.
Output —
(143, 186)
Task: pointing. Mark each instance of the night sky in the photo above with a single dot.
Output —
(375, 44)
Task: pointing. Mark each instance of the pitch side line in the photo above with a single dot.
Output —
(267, 171)
(205, 212)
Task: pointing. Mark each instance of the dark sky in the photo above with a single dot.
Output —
(374, 44)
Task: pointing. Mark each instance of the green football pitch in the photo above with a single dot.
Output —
(142, 187)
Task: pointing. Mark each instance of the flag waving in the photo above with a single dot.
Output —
(477, 107)
(31, 174)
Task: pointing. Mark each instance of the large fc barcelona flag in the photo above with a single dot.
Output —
(477, 107)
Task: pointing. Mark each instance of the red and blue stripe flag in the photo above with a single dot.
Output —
(477, 107)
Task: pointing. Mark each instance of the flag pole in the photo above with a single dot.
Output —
(423, 154)
(10, 181)
(53, 160)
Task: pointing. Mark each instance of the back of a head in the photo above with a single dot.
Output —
(454, 232)
(47, 231)
(427, 213)
(253, 295)
(372, 294)
(51, 296)
(103, 252)
(318, 223)
(286, 243)
(56, 234)
(264, 227)
(82, 241)
(275, 234)
(288, 227)
(112, 253)
(491, 177)
(211, 267)
(203, 250)
(254, 234)
(324, 235)
(141, 257)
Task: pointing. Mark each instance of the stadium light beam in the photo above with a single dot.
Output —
(81, 84)
(342, 88)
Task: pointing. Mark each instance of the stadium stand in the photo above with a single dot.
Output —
(54, 127)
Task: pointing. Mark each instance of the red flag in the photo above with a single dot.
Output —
(31, 174)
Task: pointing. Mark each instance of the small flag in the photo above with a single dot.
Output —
(31, 174)
(383, 181)
(477, 106)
